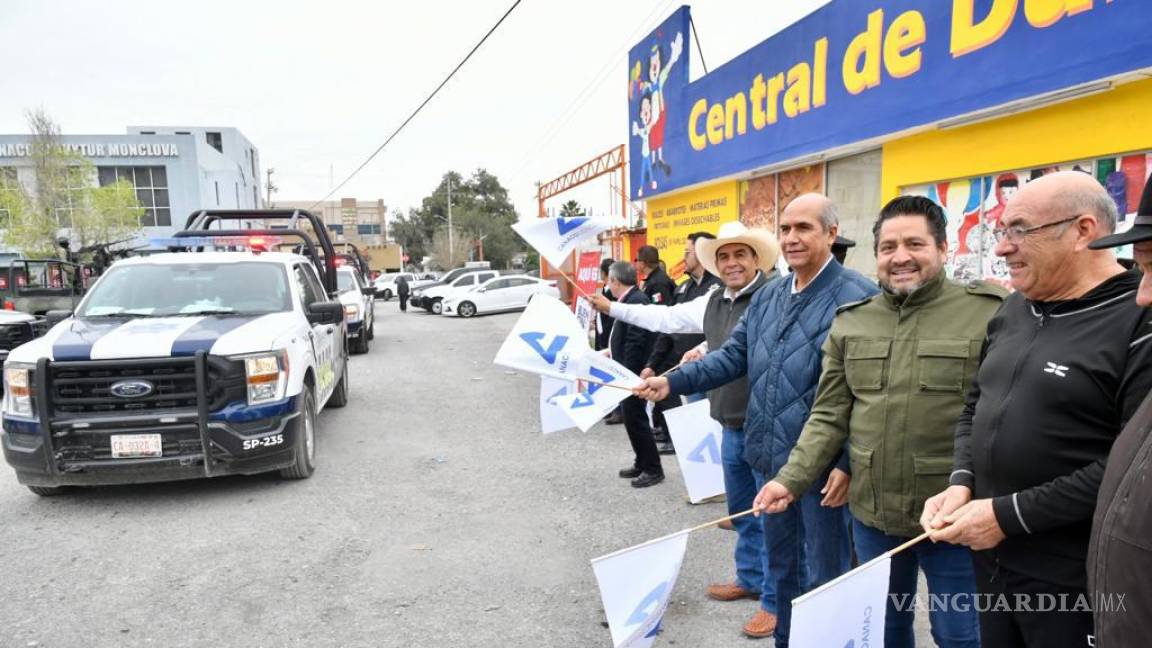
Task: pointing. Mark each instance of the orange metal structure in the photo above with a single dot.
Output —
(612, 161)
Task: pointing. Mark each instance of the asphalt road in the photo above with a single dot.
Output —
(438, 516)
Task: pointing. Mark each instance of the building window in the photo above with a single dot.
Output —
(215, 141)
(151, 184)
(363, 229)
(338, 229)
(255, 199)
(8, 183)
(252, 159)
(217, 185)
(71, 197)
(237, 186)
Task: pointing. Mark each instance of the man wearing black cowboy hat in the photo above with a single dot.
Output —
(1120, 551)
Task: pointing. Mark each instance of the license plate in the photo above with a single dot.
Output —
(128, 446)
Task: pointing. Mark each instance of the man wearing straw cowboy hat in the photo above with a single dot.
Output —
(777, 346)
(896, 368)
(1067, 360)
(745, 260)
(1119, 553)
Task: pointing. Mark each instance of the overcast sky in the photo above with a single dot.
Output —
(317, 86)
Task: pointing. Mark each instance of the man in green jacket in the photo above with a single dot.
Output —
(896, 370)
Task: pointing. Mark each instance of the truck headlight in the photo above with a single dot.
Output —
(267, 375)
(18, 390)
(351, 312)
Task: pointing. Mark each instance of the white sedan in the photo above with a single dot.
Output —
(496, 295)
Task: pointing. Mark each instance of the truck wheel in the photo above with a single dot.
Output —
(339, 397)
(48, 491)
(360, 344)
(305, 447)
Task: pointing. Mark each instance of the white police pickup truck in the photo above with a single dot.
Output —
(182, 365)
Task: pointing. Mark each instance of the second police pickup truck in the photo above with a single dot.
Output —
(185, 364)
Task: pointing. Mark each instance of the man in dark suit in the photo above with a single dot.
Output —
(631, 346)
(604, 334)
(657, 285)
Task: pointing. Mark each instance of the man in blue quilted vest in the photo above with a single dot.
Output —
(777, 346)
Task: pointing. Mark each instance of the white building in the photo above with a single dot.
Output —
(176, 170)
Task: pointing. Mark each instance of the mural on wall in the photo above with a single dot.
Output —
(758, 202)
(762, 199)
(975, 206)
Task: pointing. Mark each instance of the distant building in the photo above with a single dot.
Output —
(363, 222)
(176, 170)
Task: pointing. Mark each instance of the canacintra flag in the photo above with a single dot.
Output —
(635, 586)
(856, 601)
(696, 436)
(594, 396)
(556, 238)
(554, 417)
(546, 340)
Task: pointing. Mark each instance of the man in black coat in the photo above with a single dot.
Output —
(631, 346)
(1120, 550)
(402, 292)
(657, 286)
(604, 333)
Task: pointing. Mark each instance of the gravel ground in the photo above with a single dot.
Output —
(438, 516)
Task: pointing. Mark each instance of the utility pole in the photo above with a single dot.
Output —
(451, 251)
(269, 187)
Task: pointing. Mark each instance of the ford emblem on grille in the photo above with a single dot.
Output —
(132, 388)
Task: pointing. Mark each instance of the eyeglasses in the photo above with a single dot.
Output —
(1016, 233)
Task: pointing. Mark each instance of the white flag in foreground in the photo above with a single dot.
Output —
(857, 600)
(635, 586)
(553, 417)
(556, 238)
(697, 436)
(593, 400)
(546, 340)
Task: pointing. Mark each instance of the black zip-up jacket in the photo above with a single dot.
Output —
(659, 287)
(670, 347)
(1056, 384)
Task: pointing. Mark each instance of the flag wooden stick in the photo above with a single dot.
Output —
(914, 541)
(574, 284)
(604, 384)
(723, 519)
(671, 370)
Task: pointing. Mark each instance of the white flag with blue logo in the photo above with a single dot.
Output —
(636, 585)
(594, 398)
(546, 340)
(556, 238)
(553, 417)
(857, 600)
(697, 436)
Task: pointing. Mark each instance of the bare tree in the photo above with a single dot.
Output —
(64, 196)
(440, 256)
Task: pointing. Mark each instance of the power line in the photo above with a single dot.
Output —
(588, 91)
(422, 104)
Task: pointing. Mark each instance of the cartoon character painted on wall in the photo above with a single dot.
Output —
(1007, 184)
(654, 115)
(643, 130)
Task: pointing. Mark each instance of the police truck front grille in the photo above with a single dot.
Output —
(86, 388)
(13, 335)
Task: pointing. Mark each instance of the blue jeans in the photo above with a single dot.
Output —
(808, 546)
(948, 569)
(740, 488)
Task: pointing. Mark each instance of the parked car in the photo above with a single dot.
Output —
(358, 299)
(431, 296)
(501, 294)
(386, 284)
(417, 298)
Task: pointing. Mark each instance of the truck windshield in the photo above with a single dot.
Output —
(345, 282)
(156, 290)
